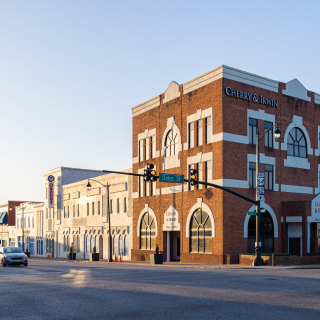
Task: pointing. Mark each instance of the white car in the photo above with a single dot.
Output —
(12, 256)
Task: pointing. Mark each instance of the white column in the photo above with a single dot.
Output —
(168, 246)
(308, 237)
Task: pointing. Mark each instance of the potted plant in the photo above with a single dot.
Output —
(156, 257)
(94, 256)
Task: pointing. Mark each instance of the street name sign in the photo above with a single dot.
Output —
(174, 178)
(252, 213)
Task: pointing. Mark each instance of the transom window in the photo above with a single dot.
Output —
(147, 232)
(297, 145)
(200, 232)
(171, 143)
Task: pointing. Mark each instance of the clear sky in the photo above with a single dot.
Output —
(70, 71)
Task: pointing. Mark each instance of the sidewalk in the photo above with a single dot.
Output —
(176, 264)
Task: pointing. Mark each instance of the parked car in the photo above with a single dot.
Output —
(12, 256)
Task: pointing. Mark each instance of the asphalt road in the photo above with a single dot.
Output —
(49, 289)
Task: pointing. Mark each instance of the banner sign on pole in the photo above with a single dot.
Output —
(50, 191)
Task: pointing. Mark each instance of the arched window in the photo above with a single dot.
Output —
(115, 245)
(171, 143)
(126, 245)
(121, 245)
(200, 232)
(266, 233)
(297, 145)
(91, 244)
(147, 232)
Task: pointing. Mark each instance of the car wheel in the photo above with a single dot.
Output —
(25, 264)
(3, 264)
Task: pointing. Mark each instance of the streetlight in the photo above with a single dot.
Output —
(108, 213)
(277, 133)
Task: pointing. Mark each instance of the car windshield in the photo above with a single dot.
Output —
(12, 250)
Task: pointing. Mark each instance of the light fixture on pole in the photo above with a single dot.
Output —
(108, 215)
(277, 134)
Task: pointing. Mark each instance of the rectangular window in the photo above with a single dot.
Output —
(153, 146)
(111, 211)
(199, 133)
(93, 208)
(253, 125)
(118, 205)
(268, 138)
(46, 213)
(191, 135)
(124, 204)
(208, 129)
(146, 149)
(140, 186)
(78, 210)
(199, 174)
(208, 177)
(140, 150)
(74, 210)
(98, 207)
(88, 208)
(252, 175)
(268, 177)
(68, 211)
(64, 212)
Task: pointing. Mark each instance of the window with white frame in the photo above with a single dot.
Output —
(78, 210)
(124, 204)
(93, 208)
(171, 143)
(268, 138)
(297, 145)
(140, 179)
(153, 146)
(199, 132)
(253, 125)
(74, 210)
(118, 205)
(208, 129)
(146, 149)
(88, 208)
(98, 207)
(268, 179)
(147, 232)
(191, 135)
(252, 175)
(141, 150)
(208, 169)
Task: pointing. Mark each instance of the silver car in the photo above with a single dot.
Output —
(12, 255)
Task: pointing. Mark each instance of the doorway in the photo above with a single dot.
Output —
(176, 245)
(294, 246)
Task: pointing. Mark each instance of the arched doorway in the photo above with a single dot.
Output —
(266, 233)
(100, 247)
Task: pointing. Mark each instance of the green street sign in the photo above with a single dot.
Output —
(174, 178)
(263, 210)
(252, 213)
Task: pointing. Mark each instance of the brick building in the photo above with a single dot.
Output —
(210, 123)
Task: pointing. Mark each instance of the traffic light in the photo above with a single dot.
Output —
(193, 177)
(149, 173)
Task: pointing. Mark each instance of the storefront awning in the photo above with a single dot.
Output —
(3, 217)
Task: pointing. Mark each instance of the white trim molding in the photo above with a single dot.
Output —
(151, 212)
(296, 189)
(172, 92)
(146, 106)
(273, 216)
(316, 151)
(295, 89)
(317, 190)
(206, 208)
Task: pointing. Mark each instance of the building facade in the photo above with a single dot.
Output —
(84, 220)
(52, 217)
(210, 124)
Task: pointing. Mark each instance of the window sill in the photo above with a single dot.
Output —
(297, 162)
(172, 162)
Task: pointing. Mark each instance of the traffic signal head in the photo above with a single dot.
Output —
(193, 177)
(147, 175)
(153, 175)
(150, 166)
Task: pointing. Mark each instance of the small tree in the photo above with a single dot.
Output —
(71, 249)
(157, 249)
(94, 250)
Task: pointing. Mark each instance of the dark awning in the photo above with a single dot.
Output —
(3, 217)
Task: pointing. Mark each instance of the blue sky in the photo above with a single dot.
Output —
(70, 71)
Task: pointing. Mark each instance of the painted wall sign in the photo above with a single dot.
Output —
(50, 191)
(251, 97)
(315, 209)
(171, 220)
